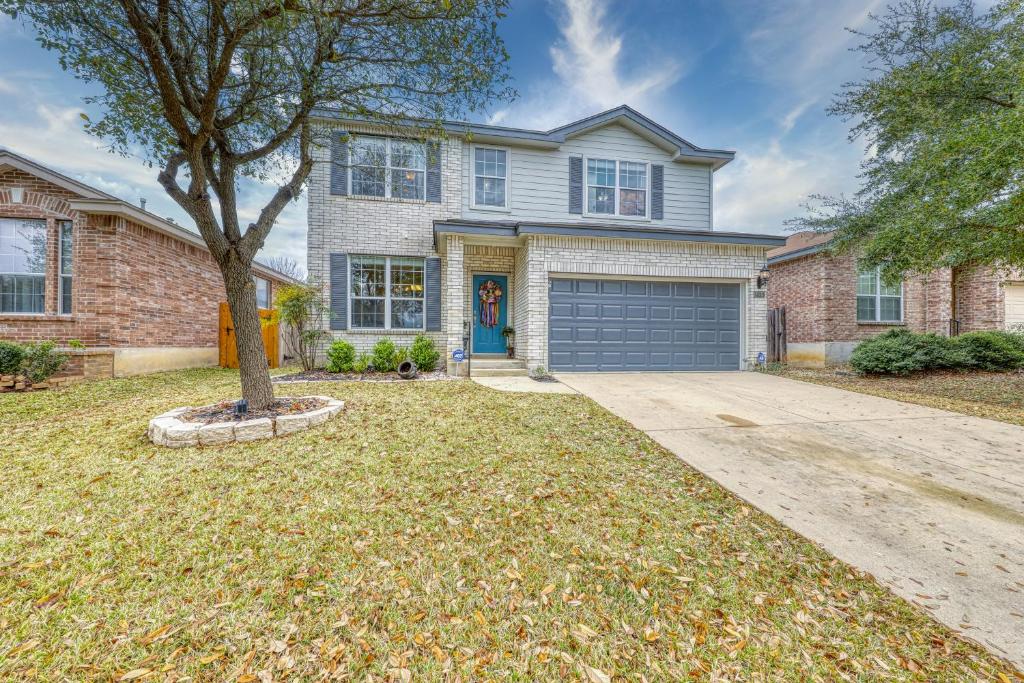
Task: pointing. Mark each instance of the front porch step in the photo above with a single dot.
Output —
(475, 371)
(496, 363)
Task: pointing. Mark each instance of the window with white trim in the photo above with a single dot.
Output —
(388, 167)
(878, 302)
(490, 177)
(617, 187)
(22, 265)
(66, 264)
(262, 292)
(387, 293)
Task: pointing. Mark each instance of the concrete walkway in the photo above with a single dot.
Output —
(930, 502)
(523, 385)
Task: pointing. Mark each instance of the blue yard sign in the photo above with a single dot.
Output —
(761, 358)
(458, 355)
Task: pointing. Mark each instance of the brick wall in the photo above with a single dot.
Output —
(386, 227)
(820, 295)
(642, 258)
(132, 286)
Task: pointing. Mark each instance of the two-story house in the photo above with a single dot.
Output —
(594, 241)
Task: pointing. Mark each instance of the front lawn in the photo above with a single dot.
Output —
(433, 531)
(993, 395)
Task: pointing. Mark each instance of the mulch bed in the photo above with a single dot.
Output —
(225, 411)
(324, 376)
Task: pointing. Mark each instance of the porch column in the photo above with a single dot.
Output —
(537, 306)
(454, 295)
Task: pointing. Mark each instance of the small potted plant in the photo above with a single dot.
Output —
(510, 340)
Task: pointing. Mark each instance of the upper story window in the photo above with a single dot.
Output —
(617, 187)
(22, 265)
(490, 177)
(877, 301)
(388, 167)
(387, 293)
(262, 292)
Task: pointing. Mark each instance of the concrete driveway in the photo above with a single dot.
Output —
(930, 502)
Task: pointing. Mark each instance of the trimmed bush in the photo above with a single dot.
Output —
(992, 351)
(901, 352)
(362, 363)
(11, 355)
(384, 355)
(401, 354)
(42, 361)
(340, 357)
(424, 354)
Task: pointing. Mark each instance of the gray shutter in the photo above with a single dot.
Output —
(433, 171)
(657, 192)
(432, 293)
(339, 163)
(576, 185)
(339, 291)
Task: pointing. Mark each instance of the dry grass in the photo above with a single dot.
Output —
(992, 395)
(433, 531)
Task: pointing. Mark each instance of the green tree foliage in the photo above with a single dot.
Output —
(213, 91)
(942, 115)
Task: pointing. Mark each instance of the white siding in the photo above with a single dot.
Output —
(540, 182)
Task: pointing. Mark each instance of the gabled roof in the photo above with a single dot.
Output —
(800, 244)
(9, 160)
(91, 200)
(681, 149)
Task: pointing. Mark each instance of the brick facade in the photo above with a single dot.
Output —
(133, 287)
(377, 226)
(819, 292)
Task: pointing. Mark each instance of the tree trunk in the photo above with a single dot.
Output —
(257, 389)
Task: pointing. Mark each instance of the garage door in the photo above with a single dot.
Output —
(1014, 301)
(624, 325)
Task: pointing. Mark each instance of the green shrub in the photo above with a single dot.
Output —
(340, 357)
(401, 354)
(362, 363)
(11, 355)
(424, 354)
(991, 351)
(901, 352)
(384, 355)
(42, 361)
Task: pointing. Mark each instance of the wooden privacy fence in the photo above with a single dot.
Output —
(777, 335)
(228, 347)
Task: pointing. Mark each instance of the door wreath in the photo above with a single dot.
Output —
(490, 295)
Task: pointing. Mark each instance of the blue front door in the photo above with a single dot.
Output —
(490, 312)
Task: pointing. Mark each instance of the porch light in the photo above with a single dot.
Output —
(762, 277)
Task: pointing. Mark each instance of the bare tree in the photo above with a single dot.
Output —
(219, 89)
(285, 265)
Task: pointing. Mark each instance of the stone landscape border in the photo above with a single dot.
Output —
(170, 430)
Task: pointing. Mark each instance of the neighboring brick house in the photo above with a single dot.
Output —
(594, 241)
(831, 305)
(140, 292)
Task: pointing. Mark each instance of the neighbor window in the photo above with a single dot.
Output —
(387, 293)
(22, 265)
(877, 301)
(490, 177)
(616, 187)
(388, 167)
(262, 292)
(66, 261)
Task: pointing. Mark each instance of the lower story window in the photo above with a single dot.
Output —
(22, 265)
(387, 292)
(876, 300)
(66, 265)
(262, 292)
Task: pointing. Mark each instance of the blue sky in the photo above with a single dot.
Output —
(746, 75)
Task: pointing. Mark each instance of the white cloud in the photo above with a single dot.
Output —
(589, 72)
